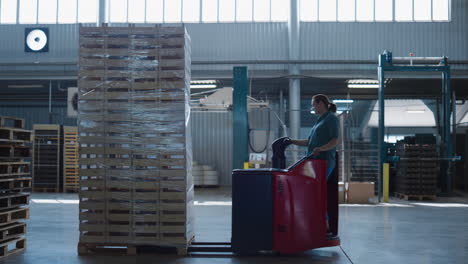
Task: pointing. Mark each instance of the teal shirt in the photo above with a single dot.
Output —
(326, 128)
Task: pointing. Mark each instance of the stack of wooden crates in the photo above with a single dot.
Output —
(417, 171)
(135, 147)
(15, 181)
(48, 158)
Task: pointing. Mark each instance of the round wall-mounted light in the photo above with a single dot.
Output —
(36, 40)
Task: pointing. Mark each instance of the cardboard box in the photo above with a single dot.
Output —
(360, 192)
(341, 192)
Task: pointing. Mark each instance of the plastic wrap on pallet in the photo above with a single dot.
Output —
(135, 144)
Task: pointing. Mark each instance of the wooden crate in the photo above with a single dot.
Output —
(13, 122)
(70, 158)
(135, 147)
(417, 171)
(48, 158)
(15, 135)
(14, 169)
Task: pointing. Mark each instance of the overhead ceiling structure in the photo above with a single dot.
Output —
(338, 88)
(270, 88)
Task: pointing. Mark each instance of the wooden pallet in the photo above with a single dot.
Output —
(12, 231)
(11, 152)
(123, 249)
(70, 159)
(8, 121)
(14, 215)
(12, 246)
(13, 200)
(415, 196)
(14, 169)
(15, 135)
(20, 184)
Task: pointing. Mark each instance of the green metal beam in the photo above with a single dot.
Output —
(240, 129)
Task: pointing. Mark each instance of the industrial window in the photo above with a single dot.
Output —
(244, 10)
(28, 11)
(210, 11)
(374, 10)
(215, 11)
(117, 11)
(384, 10)
(364, 10)
(279, 10)
(47, 11)
(262, 10)
(440, 10)
(155, 11)
(88, 11)
(67, 11)
(327, 10)
(173, 11)
(143, 11)
(191, 11)
(311, 10)
(8, 11)
(227, 10)
(346, 10)
(136, 11)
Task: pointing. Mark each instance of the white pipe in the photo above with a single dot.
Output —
(294, 70)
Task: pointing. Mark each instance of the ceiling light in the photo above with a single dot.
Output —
(203, 82)
(362, 81)
(25, 86)
(203, 86)
(343, 101)
(422, 111)
(363, 86)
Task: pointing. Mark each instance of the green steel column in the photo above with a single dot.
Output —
(240, 129)
(382, 153)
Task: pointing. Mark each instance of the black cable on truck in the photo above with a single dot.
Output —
(267, 136)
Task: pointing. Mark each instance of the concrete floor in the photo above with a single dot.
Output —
(400, 232)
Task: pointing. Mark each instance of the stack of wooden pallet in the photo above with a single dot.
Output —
(70, 159)
(48, 158)
(417, 171)
(135, 149)
(15, 181)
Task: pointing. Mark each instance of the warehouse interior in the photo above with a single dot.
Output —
(121, 122)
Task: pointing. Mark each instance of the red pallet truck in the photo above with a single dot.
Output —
(281, 209)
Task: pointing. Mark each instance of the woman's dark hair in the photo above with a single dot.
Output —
(323, 98)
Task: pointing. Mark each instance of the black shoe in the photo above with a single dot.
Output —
(331, 236)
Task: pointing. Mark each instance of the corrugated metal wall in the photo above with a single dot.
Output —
(63, 44)
(212, 142)
(212, 137)
(241, 41)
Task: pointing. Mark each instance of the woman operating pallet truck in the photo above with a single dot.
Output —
(323, 137)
